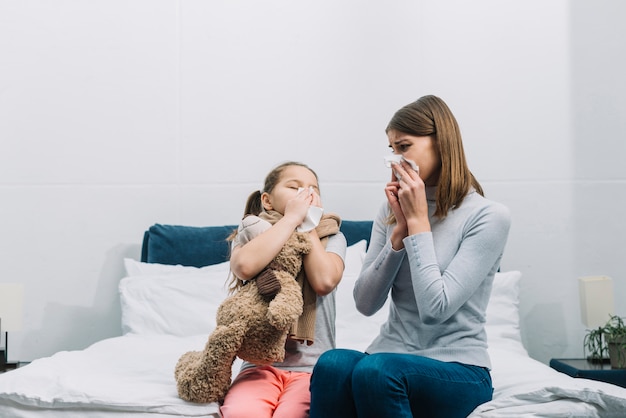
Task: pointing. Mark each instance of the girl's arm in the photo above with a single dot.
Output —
(246, 261)
(323, 269)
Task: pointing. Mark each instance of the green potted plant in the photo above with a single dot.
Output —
(608, 341)
(615, 335)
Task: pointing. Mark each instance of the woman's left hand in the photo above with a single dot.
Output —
(400, 230)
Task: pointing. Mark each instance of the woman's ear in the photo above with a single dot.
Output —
(266, 201)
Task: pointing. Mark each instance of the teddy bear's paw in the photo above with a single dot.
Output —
(281, 317)
(196, 383)
(279, 322)
(201, 391)
(187, 362)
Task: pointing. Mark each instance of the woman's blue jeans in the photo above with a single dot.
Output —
(348, 383)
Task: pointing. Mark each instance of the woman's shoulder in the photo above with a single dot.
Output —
(487, 207)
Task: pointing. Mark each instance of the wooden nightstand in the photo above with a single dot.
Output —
(590, 370)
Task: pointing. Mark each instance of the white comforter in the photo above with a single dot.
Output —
(524, 387)
(123, 374)
(133, 376)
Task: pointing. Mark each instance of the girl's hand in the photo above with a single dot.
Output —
(411, 198)
(297, 207)
(316, 199)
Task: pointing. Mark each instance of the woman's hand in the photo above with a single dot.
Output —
(400, 231)
(406, 194)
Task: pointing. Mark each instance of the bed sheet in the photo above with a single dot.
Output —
(524, 387)
(131, 375)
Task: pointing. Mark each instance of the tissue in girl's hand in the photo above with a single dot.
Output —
(312, 219)
(313, 215)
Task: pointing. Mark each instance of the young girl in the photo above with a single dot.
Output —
(282, 389)
(435, 247)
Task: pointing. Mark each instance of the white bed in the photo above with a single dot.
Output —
(168, 310)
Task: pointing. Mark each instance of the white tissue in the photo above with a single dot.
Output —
(312, 219)
(393, 158)
(313, 216)
(396, 158)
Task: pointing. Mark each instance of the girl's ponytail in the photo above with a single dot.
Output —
(254, 206)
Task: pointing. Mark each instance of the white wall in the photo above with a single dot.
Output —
(117, 114)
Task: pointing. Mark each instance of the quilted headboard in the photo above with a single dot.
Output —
(200, 246)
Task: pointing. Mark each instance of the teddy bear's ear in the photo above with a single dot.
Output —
(267, 283)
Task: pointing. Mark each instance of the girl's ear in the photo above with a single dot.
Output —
(265, 201)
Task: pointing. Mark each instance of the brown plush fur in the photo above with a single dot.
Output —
(249, 327)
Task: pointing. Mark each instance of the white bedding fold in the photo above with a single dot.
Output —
(128, 373)
(524, 387)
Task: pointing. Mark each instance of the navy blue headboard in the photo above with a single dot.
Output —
(201, 246)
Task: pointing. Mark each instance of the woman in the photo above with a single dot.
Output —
(436, 245)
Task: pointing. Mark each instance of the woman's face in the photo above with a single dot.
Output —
(292, 178)
(421, 150)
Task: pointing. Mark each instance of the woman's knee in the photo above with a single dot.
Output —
(334, 367)
(335, 360)
(331, 394)
(371, 368)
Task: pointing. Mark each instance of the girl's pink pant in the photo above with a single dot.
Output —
(268, 392)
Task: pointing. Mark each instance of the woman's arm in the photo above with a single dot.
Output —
(380, 266)
(440, 290)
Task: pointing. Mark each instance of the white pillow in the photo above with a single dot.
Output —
(182, 304)
(353, 329)
(354, 258)
(357, 331)
(503, 322)
(353, 261)
(138, 268)
(181, 300)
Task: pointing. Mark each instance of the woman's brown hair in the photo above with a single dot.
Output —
(430, 116)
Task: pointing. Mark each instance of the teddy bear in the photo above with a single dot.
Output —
(250, 325)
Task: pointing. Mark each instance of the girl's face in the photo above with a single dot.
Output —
(292, 178)
(420, 149)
